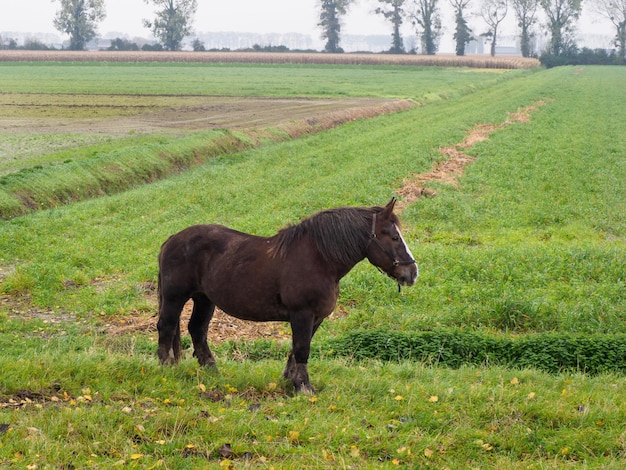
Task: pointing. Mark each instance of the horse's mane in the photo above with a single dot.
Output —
(339, 235)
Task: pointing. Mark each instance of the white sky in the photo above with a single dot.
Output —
(262, 16)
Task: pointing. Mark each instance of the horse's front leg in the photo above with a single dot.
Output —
(198, 326)
(303, 328)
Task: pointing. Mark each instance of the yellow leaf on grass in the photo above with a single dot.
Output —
(531, 395)
(354, 451)
(428, 452)
(514, 381)
(293, 436)
(136, 456)
(433, 399)
(398, 398)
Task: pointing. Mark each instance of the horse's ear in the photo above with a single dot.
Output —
(389, 208)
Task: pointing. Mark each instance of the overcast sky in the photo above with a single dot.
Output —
(262, 16)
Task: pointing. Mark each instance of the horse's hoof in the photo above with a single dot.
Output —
(305, 389)
(208, 363)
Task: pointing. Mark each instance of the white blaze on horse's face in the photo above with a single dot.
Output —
(408, 251)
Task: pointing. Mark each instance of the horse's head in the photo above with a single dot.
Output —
(388, 251)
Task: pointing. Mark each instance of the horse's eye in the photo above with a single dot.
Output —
(395, 238)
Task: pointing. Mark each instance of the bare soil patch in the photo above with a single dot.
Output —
(189, 114)
(223, 327)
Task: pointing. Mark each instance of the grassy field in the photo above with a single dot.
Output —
(529, 243)
(44, 163)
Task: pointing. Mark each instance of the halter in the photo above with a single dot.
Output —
(395, 262)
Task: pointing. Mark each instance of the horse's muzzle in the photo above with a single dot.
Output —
(406, 275)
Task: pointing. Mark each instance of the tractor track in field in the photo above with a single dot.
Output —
(456, 159)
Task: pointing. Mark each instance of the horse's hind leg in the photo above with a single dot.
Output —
(169, 330)
(201, 316)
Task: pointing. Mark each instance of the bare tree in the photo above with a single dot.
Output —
(173, 21)
(330, 22)
(493, 13)
(393, 10)
(79, 19)
(526, 11)
(427, 20)
(561, 16)
(615, 11)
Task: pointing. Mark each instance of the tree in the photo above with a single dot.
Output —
(173, 21)
(79, 19)
(330, 22)
(561, 16)
(121, 44)
(493, 12)
(393, 11)
(427, 20)
(525, 11)
(462, 32)
(615, 11)
(198, 45)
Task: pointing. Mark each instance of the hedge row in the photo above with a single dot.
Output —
(551, 352)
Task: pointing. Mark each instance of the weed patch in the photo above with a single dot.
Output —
(551, 352)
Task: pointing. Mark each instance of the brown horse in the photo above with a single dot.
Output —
(292, 276)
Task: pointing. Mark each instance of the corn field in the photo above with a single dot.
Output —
(442, 60)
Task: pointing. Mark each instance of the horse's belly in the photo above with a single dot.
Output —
(253, 308)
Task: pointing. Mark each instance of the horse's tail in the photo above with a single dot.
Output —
(159, 293)
(167, 352)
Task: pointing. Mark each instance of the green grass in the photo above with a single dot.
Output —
(43, 170)
(93, 400)
(286, 80)
(529, 248)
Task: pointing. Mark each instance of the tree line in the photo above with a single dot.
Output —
(173, 19)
